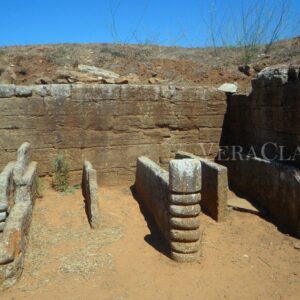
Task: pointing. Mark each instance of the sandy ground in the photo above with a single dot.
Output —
(243, 258)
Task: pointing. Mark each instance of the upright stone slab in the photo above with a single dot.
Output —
(20, 178)
(23, 160)
(25, 175)
(214, 187)
(184, 187)
(5, 188)
(90, 194)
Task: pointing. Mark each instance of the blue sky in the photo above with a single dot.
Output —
(167, 22)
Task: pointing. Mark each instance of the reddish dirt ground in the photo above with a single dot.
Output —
(245, 257)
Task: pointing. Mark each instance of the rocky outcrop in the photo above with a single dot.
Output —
(276, 76)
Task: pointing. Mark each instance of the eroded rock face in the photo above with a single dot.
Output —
(276, 76)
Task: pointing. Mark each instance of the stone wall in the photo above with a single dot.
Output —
(268, 120)
(173, 200)
(273, 185)
(109, 125)
(269, 114)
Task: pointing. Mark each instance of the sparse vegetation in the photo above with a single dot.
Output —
(61, 174)
(252, 25)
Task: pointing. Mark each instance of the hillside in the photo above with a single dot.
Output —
(167, 65)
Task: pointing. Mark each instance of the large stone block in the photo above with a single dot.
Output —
(185, 211)
(90, 194)
(185, 248)
(23, 91)
(185, 235)
(214, 186)
(23, 160)
(6, 185)
(26, 186)
(185, 176)
(185, 223)
(13, 243)
(151, 185)
(181, 199)
(185, 257)
(7, 90)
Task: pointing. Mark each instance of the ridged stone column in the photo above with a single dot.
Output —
(185, 187)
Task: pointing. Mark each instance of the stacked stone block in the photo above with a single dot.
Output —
(90, 194)
(214, 189)
(18, 178)
(24, 175)
(173, 199)
(185, 187)
(5, 188)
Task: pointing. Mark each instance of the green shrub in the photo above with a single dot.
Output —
(60, 180)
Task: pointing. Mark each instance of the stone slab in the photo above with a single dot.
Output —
(185, 223)
(214, 186)
(90, 193)
(185, 247)
(185, 235)
(185, 176)
(181, 199)
(184, 258)
(185, 211)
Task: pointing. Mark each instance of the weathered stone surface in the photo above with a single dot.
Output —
(75, 76)
(2, 216)
(26, 185)
(214, 187)
(23, 160)
(122, 122)
(13, 243)
(228, 88)
(151, 185)
(90, 194)
(23, 91)
(273, 185)
(2, 225)
(60, 90)
(185, 257)
(185, 176)
(41, 90)
(185, 247)
(3, 206)
(7, 90)
(275, 76)
(6, 185)
(185, 211)
(185, 223)
(98, 71)
(185, 235)
(128, 79)
(181, 199)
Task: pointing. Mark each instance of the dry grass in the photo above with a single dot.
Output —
(67, 250)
